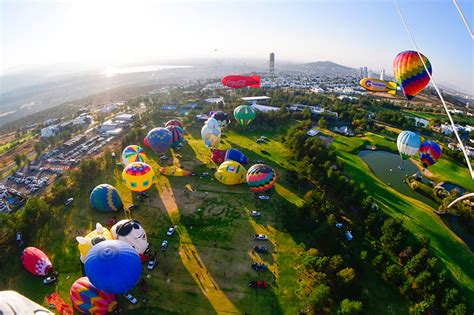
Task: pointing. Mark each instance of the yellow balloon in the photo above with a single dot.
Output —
(85, 243)
(231, 173)
(138, 176)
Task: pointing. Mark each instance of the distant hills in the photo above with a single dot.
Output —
(324, 68)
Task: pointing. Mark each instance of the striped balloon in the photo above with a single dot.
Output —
(408, 144)
(86, 298)
(105, 198)
(410, 72)
(177, 134)
(430, 152)
(244, 114)
(260, 177)
(133, 153)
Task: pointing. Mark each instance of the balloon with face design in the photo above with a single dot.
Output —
(131, 232)
(93, 238)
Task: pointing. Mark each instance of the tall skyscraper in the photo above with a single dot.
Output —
(366, 73)
(272, 63)
(370, 75)
(382, 74)
(361, 72)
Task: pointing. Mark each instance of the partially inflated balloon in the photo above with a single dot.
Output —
(430, 152)
(230, 173)
(218, 156)
(177, 134)
(133, 153)
(138, 176)
(236, 155)
(145, 141)
(244, 114)
(159, 139)
(131, 232)
(221, 117)
(174, 122)
(408, 144)
(85, 243)
(35, 261)
(410, 72)
(86, 298)
(211, 137)
(260, 177)
(113, 266)
(105, 198)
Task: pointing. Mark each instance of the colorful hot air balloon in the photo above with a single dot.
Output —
(221, 117)
(211, 137)
(131, 232)
(159, 139)
(175, 171)
(236, 155)
(93, 238)
(244, 114)
(133, 153)
(138, 176)
(410, 72)
(145, 141)
(105, 198)
(230, 173)
(86, 298)
(113, 266)
(260, 177)
(218, 156)
(430, 152)
(177, 134)
(35, 261)
(174, 122)
(240, 81)
(408, 144)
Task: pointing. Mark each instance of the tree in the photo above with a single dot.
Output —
(346, 276)
(322, 123)
(18, 159)
(394, 274)
(318, 298)
(349, 307)
(335, 262)
(393, 235)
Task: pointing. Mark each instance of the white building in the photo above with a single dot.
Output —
(254, 99)
(126, 117)
(109, 108)
(108, 125)
(264, 108)
(49, 131)
(214, 100)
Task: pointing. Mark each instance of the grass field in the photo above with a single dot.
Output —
(207, 266)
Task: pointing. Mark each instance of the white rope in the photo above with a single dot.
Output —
(466, 156)
(464, 19)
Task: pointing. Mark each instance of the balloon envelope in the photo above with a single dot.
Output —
(174, 122)
(138, 176)
(35, 261)
(241, 81)
(133, 153)
(132, 233)
(236, 155)
(96, 236)
(113, 266)
(221, 117)
(105, 198)
(430, 152)
(177, 134)
(230, 173)
(86, 298)
(260, 177)
(211, 137)
(218, 156)
(410, 72)
(244, 114)
(159, 139)
(408, 144)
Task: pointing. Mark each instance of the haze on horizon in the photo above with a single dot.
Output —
(352, 33)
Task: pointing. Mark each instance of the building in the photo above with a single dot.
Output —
(272, 63)
(265, 109)
(75, 141)
(214, 100)
(82, 120)
(382, 74)
(108, 125)
(113, 132)
(109, 108)
(313, 132)
(253, 99)
(49, 131)
(126, 117)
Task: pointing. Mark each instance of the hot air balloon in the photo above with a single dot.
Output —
(410, 72)
(376, 85)
(430, 152)
(212, 123)
(218, 156)
(105, 198)
(221, 117)
(93, 238)
(35, 261)
(159, 139)
(244, 114)
(211, 137)
(131, 232)
(145, 141)
(174, 171)
(408, 144)
(177, 134)
(113, 266)
(260, 177)
(138, 176)
(240, 81)
(236, 155)
(230, 173)
(133, 153)
(86, 298)
(174, 122)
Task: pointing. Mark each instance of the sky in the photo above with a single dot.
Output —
(353, 33)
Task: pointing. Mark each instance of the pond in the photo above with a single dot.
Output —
(385, 165)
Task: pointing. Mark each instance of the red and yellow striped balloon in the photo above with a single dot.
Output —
(86, 298)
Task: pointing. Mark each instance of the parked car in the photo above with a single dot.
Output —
(260, 237)
(171, 230)
(69, 201)
(260, 249)
(130, 298)
(258, 284)
(164, 246)
(255, 214)
(263, 197)
(49, 280)
(260, 140)
(259, 266)
(265, 152)
(151, 263)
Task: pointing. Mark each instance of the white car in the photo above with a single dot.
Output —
(130, 298)
(263, 197)
(69, 201)
(49, 280)
(151, 263)
(255, 214)
(171, 230)
(260, 237)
